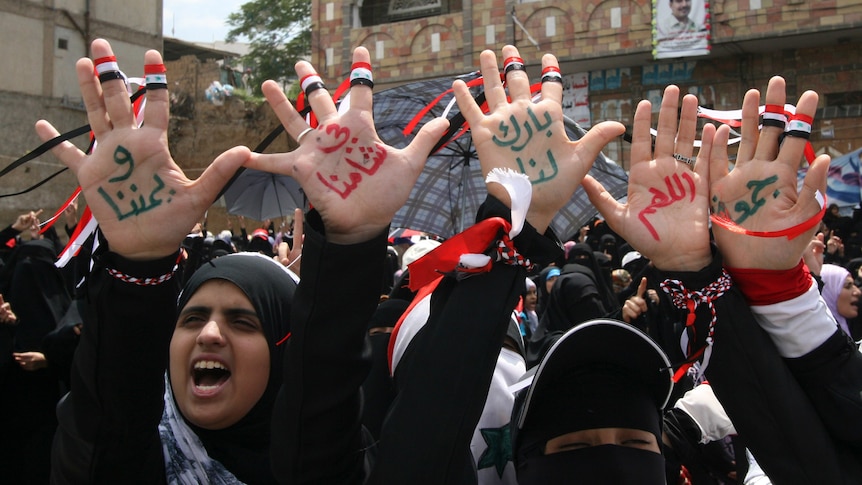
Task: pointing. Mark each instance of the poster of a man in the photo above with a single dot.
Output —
(681, 28)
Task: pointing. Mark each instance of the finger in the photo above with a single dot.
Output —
(718, 161)
(750, 122)
(642, 287)
(793, 146)
(114, 91)
(283, 248)
(687, 126)
(495, 94)
(641, 136)
(66, 152)
(298, 227)
(815, 179)
(551, 89)
(419, 148)
(283, 109)
(91, 92)
(158, 103)
(516, 79)
(360, 95)
(667, 125)
(702, 164)
(466, 104)
(219, 172)
(767, 144)
(602, 200)
(319, 99)
(595, 140)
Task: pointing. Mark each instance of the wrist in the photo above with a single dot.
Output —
(766, 287)
(684, 262)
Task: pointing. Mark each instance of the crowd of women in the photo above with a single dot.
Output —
(249, 373)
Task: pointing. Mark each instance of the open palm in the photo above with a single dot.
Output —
(354, 180)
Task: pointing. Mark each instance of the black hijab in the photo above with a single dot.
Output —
(243, 448)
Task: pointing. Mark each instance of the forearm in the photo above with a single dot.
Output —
(478, 309)
(823, 359)
(118, 374)
(768, 407)
(316, 427)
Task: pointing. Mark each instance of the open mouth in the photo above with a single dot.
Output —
(209, 375)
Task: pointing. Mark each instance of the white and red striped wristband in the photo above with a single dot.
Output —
(151, 281)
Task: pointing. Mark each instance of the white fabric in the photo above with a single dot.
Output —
(520, 192)
(413, 322)
(755, 475)
(495, 420)
(797, 326)
(473, 260)
(629, 257)
(417, 250)
(701, 404)
(186, 459)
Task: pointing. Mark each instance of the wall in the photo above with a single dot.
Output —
(195, 139)
(615, 36)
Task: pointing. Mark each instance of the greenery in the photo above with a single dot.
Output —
(279, 33)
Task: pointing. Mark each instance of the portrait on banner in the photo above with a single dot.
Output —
(680, 28)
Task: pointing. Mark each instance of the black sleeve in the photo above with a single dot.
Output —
(769, 408)
(443, 377)
(108, 424)
(831, 375)
(8, 233)
(316, 427)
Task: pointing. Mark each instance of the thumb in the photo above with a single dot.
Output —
(220, 171)
(603, 201)
(424, 141)
(595, 140)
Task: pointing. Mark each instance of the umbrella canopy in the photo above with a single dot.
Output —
(262, 195)
(450, 189)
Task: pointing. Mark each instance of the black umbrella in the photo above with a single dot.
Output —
(262, 195)
(450, 189)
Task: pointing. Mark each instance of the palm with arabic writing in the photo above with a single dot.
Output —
(530, 137)
(354, 180)
(760, 193)
(666, 214)
(144, 203)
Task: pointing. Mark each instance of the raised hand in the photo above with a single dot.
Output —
(530, 137)
(666, 213)
(7, 316)
(760, 194)
(26, 221)
(289, 256)
(144, 203)
(636, 304)
(349, 175)
(813, 255)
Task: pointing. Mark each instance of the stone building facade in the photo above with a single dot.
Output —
(813, 44)
(40, 41)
